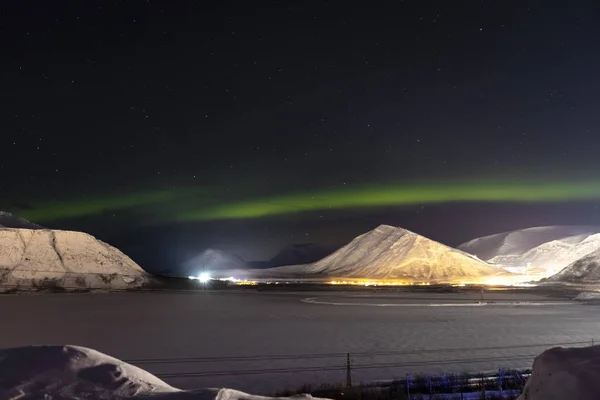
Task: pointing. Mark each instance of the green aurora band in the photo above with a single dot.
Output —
(197, 204)
(407, 195)
(56, 210)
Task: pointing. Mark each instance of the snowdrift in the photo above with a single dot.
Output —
(541, 251)
(564, 374)
(53, 258)
(72, 372)
(394, 253)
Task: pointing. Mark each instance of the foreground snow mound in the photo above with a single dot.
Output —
(584, 270)
(565, 374)
(72, 372)
(52, 258)
(587, 296)
(541, 251)
(390, 253)
(7, 220)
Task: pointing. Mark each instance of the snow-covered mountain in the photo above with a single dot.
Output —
(211, 261)
(43, 257)
(540, 251)
(7, 220)
(583, 270)
(297, 254)
(74, 372)
(390, 253)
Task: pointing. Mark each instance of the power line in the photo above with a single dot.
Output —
(192, 360)
(200, 374)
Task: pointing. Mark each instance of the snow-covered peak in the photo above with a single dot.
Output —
(389, 229)
(392, 253)
(304, 253)
(7, 220)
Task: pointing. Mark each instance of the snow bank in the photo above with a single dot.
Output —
(565, 374)
(34, 257)
(583, 296)
(72, 372)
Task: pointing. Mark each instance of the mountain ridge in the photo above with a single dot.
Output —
(537, 251)
(394, 253)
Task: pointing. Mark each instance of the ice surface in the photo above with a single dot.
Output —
(73, 372)
(540, 251)
(65, 258)
(564, 374)
(175, 327)
(388, 252)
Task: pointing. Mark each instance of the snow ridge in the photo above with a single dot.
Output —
(541, 251)
(584, 270)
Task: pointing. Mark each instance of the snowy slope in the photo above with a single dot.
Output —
(394, 253)
(564, 374)
(522, 240)
(7, 220)
(65, 259)
(541, 251)
(73, 372)
(584, 270)
(549, 258)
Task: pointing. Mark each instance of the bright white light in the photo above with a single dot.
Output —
(204, 277)
(230, 279)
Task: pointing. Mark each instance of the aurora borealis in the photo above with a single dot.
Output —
(166, 128)
(188, 203)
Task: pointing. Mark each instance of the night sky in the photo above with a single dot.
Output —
(166, 127)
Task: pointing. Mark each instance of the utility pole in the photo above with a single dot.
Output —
(348, 371)
(481, 298)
